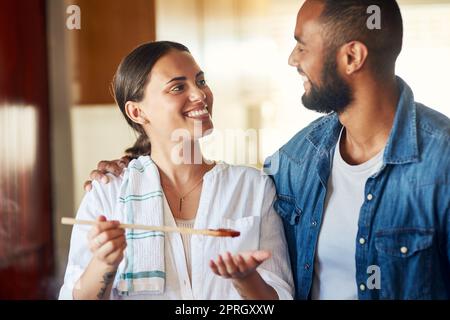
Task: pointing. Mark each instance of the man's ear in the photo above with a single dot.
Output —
(135, 113)
(354, 56)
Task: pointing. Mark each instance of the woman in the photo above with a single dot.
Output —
(162, 93)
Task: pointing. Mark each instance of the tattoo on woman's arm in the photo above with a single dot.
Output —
(107, 280)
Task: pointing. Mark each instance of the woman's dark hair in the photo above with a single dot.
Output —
(130, 80)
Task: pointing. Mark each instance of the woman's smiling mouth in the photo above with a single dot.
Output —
(198, 113)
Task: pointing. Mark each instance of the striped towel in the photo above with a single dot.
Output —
(141, 202)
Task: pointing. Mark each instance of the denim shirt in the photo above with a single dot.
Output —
(403, 239)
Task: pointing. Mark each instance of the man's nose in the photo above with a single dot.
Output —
(292, 61)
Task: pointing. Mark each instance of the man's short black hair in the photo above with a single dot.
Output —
(346, 20)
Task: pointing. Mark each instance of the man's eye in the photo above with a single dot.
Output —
(202, 83)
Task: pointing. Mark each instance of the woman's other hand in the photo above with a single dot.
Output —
(238, 266)
(241, 269)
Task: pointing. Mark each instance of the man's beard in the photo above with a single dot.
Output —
(334, 94)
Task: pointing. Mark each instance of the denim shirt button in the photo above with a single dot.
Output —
(369, 197)
(362, 241)
(314, 223)
(362, 287)
(307, 266)
(404, 250)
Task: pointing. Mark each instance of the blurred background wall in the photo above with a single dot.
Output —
(26, 239)
(58, 118)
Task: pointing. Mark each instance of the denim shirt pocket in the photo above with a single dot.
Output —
(405, 257)
(287, 209)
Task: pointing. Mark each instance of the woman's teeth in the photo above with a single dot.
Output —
(197, 113)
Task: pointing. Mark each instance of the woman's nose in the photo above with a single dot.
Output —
(197, 94)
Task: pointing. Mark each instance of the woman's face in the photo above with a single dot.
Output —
(177, 101)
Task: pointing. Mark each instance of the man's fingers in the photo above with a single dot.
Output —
(110, 167)
(87, 185)
(114, 167)
(124, 161)
(101, 166)
(99, 176)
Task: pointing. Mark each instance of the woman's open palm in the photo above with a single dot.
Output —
(240, 265)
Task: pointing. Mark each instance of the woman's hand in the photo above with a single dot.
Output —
(107, 242)
(241, 269)
(114, 167)
(239, 266)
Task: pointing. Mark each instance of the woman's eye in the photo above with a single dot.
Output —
(202, 83)
(177, 88)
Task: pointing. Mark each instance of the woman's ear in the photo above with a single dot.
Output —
(135, 113)
(354, 56)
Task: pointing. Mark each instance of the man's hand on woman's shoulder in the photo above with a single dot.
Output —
(104, 167)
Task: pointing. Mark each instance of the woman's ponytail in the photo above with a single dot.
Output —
(141, 147)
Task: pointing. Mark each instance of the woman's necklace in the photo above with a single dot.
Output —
(183, 197)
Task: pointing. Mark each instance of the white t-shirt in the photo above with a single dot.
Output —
(185, 237)
(335, 266)
(234, 197)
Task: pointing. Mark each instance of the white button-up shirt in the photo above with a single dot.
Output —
(234, 197)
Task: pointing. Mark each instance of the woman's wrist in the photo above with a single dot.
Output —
(253, 287)
(105, 267)
(248, 280)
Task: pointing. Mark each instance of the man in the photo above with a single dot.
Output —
(363, 191)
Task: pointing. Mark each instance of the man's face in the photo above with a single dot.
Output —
(325, 89)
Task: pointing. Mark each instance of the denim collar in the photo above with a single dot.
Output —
(402, 145)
